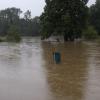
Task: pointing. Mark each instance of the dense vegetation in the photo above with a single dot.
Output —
(65, 17)
(95, 16)
(70, 18)
(13, 25)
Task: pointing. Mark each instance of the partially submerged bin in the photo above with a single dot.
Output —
(57, 57)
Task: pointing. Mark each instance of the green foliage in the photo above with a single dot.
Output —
(95, 16)
(1, 40)
(13, 34)
(90, 33)
(66, 17)
(27, 26)
(27, 15)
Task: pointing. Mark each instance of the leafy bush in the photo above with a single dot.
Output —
(90, 33)
(1, 40)
(13, 34)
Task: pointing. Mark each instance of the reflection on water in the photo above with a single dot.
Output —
(92, 91)
(22, 76)
(67, 80)
(78, 76)
(28, 72)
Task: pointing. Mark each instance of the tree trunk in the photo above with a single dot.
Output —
(68, 37)
(65, 37)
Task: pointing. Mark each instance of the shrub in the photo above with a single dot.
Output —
(13, 34)
(90, 33)
(1, 40)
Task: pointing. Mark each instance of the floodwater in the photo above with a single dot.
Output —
(28, 72)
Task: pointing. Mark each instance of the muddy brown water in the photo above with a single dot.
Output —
(28, 72)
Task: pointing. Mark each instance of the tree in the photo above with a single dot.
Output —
(66, 17)
(27, 25)
(11, 14)
(95, 16)
(8, 17)
(27, 15)
(36, 26)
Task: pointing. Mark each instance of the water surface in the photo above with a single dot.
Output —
(28, 72)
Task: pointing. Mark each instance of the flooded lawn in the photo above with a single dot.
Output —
(28, 72)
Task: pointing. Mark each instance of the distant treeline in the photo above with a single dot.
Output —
(26, 25)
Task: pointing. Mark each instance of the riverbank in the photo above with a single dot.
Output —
(59, 39)
(10, 39)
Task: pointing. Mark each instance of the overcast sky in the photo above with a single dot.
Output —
(91, 2)
(36, 6)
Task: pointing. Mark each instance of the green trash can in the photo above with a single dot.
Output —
(57, 57)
